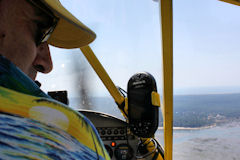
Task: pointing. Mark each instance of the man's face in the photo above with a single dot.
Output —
(19, 25)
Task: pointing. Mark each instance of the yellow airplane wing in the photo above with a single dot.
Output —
(235, 2)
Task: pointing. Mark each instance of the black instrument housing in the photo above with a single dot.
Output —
(143, 115)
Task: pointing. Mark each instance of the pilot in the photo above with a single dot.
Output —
(27, 27)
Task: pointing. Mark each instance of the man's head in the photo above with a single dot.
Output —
(23, 24)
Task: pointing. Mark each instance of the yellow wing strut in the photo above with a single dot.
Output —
(167, 52)
(235, 2)
(97, 66)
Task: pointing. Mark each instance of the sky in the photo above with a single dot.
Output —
(205, 44)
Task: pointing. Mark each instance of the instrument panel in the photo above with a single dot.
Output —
(115, 134)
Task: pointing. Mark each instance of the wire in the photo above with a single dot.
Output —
(122, 91)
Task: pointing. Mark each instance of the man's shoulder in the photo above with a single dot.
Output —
(51, 113)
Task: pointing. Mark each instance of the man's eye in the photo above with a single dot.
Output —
(41, 26)
(38, 30)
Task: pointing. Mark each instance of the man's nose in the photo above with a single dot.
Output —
(43, 60)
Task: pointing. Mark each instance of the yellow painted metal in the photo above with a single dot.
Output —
(97, 66)
(235, 2)
(155, 99)
(167, 51)
(126, 108)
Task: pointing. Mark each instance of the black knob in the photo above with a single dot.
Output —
(115, 131)
(121, 131)
(109, 132)
(103, 132)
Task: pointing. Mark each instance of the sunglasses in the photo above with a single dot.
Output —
(45, 32)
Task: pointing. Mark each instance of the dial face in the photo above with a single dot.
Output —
(123, 152)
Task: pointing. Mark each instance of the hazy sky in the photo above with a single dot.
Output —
(206, 45)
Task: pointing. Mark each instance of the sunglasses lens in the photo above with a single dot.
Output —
(44, 34)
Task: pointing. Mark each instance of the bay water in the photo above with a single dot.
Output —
(214, 143)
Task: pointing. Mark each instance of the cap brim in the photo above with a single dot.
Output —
(69, 32)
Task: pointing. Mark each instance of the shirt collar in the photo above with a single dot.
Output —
(12, 77)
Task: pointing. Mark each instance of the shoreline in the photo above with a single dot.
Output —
(190, 128)
(229, 123)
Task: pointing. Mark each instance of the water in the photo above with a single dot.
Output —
(215, 143)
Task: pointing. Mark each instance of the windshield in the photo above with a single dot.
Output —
(128, 41)
(206, 65)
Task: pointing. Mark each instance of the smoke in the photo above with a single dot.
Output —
(81, 82)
